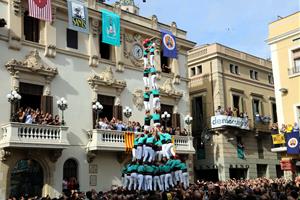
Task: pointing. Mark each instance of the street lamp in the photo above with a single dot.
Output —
(127, 112)
(165, 116)
(188, 120)
(62, 104)
(97, 107)
(13, 98)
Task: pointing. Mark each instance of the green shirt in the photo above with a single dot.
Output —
(136, 140)
(175, 164)
(168, 136)
(155, 92)
(132, 168)
(158, 143)
(147, 120)
(141, 169)
(182, 166)
(155, 116)
(142, 139)
(166, 168)
(149, 169)
(150, 139)
(152, 70)
(146, 96)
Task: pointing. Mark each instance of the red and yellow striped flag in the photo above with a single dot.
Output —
(129, 141)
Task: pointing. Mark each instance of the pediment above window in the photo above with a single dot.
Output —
(168, 90)
(106, 78)
(31, 64)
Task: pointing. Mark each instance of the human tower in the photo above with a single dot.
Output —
(154, 164)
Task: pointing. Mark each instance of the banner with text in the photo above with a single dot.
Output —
(224, 120)
(78, 16)
(110, 28)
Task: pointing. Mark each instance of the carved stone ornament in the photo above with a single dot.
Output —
(95, 27)
(54, 155)
(32, 64)
(106, 78)
(4, 154)
(90, 156)
(138, 99)
(17, 6)
(168, 89)
(14, 41)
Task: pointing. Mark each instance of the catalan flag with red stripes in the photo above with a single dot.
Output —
(129, 141)
(40, 9)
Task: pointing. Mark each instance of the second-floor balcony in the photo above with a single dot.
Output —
(109, 140)
(222, 121)
(20, 135)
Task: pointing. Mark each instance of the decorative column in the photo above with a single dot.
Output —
(154, 20)
(15, 82)
(158, 62)
(14, 24)
(174, 62)
(50, 36)
(94, 43)
(119, 54)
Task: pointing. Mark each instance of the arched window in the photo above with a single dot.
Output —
(26, 179)
(70, 169)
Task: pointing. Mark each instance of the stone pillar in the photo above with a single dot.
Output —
(47, 87)
(190, 166)
(175, 70)
(154, 20)
(157, 61)
(94, 43)
(119, 54)
(218, 85)
(50, 36)
(14, 24)
(15, 82)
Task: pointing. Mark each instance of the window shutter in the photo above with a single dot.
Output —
(175, 120)
(117, 112)
(47, 104)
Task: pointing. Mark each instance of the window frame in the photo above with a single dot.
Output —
(71, 42)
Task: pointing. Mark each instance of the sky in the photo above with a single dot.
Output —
(240, 24)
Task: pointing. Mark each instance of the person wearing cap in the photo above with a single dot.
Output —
(149, 170)
(132, 170)
(147, 98)
(156, 98)
(156, 178)
(140, 176)
(149, 152)
(156, 118)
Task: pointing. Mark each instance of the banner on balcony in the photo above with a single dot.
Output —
(78, 16)
(240, 151)
(278, 139)
(169, 44)
(292, 142)
(224, 120)
(129, 141)
(110, 28)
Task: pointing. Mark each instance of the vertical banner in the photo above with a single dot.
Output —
(240, 151)
(169, 44)
(78, 16)
(40, 9)
(292, 142)
(110, 28)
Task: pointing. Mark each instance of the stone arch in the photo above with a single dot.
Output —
(47, 168)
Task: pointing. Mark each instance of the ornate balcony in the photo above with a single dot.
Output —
(20, 135)
(107, 140)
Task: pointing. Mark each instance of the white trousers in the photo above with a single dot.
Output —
(148, 182)
(157, 182)
(162, 181)
(178, 176)
(169, 150)
(168, 181)
(140, 178)
(186, 182)
(152, 60)
(158, 155)
(133, 181)
(156, 102)
(145, 62)
(147, 105)
(146, 81)
(126, 181)
(149, 154)
(134, 151)
(153, 81)
(139, 152)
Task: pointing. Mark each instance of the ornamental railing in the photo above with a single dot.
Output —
(33, 135)
(111, 140)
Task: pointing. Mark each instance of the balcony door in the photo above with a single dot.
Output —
(26, 178)
(108, 106)
(31, 95)
(169, 109)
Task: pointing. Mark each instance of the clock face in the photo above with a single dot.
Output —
(137, 51)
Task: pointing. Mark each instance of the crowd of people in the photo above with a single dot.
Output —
(231, 112)
(35, 116)
(133, 126)
(232, 189)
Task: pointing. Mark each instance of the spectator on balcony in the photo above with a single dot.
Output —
(21, 115)
(120, 126)
(283, 128)
(235, 112)
(296, 127)
(137, 127)
(228, 112)
(177, 130)
(219, 111)
(56, 121)
(29, 116)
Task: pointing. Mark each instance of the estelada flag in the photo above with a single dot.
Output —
(278, 139)
(40, 9)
